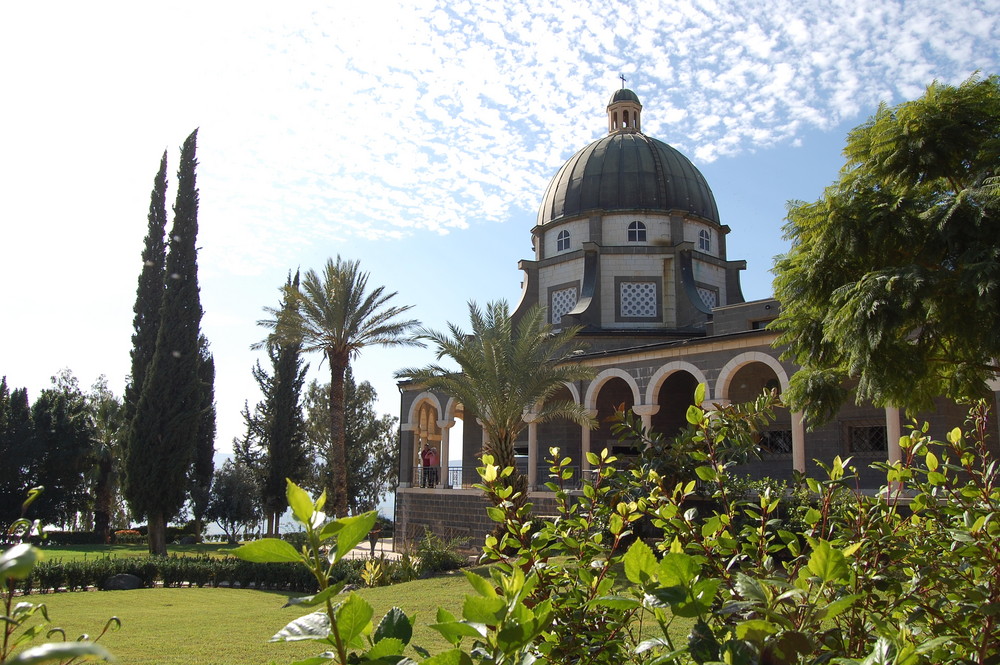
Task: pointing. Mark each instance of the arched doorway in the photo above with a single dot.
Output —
(615, 395)
(746, 384)
(675, 395)
(559, 433)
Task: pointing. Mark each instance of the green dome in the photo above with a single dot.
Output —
(624, 95)
(627, 172)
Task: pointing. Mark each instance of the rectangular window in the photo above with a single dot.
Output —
(867, 439)
(776, 442)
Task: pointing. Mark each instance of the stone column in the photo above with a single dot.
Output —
(406, 453)
(585, 445)
(798, 442)
(646, 412)
(893, 432)
(531, 418)
(443, 479)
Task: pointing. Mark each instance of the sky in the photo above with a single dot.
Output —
(416, 137)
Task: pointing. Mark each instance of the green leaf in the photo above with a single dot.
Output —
(750, 588)
(755, 630)
(678, 569)
(61, 651)
(706, 473)
(451, 657)
(315, 626)
(394, 625)
(932, 461)
(699, 393)
(483, 610)
(640, 563)
(389, 646)
(483, 586)
(353, 531)
(18, 561)
(353, 617)
(694, 415)
(300, 503)
(454, 631)
(838, 606)
(813, 516)
(268, 550)
(319, 598)
(827, 563)
(702, 643)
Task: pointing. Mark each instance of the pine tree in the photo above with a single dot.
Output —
(164, 430)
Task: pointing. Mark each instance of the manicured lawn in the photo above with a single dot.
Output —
(229, 626)
(72, 552)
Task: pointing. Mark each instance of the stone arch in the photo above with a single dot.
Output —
(728, 371)
(611, 390)
(453, 409)
(590, 401)
(664, 371)
(425, 396)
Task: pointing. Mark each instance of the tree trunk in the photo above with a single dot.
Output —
(337, 455)
(157, 534)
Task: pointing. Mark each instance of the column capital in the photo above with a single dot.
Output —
(646, 409)
(446, 424)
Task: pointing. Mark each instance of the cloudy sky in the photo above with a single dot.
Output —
(417, 137)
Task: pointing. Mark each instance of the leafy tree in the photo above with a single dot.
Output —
(372, 451)
(892, 283)
(110, 426)
(204, 460)
(506, 369)
(63, 452)
(234, 502)
(164, 431)
(336, 314)
(16, 433)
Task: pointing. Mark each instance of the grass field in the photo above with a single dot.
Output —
(192, 626)
(73, 552)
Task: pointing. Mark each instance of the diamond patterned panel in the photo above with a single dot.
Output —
(709, 296)
(562, 301)
(637, 299)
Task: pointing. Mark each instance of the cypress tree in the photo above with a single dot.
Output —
(164, 430)
(149, 295)
(284, 430)
(146, 326)
(16, 451)
(204, 462)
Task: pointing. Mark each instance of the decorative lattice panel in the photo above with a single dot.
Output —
(637, 299)
(563, 301)
(709, 296)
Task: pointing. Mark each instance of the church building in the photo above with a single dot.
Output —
(629, 245)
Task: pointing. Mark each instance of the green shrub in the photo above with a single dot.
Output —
(436, 554)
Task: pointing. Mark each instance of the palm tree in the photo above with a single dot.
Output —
(334, 313)
(506, 368)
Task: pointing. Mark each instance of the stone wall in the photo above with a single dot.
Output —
(454, 513)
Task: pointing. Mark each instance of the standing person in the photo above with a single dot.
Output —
(435, 460)
(425, 464)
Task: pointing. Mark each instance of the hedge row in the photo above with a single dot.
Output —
(175, 571)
